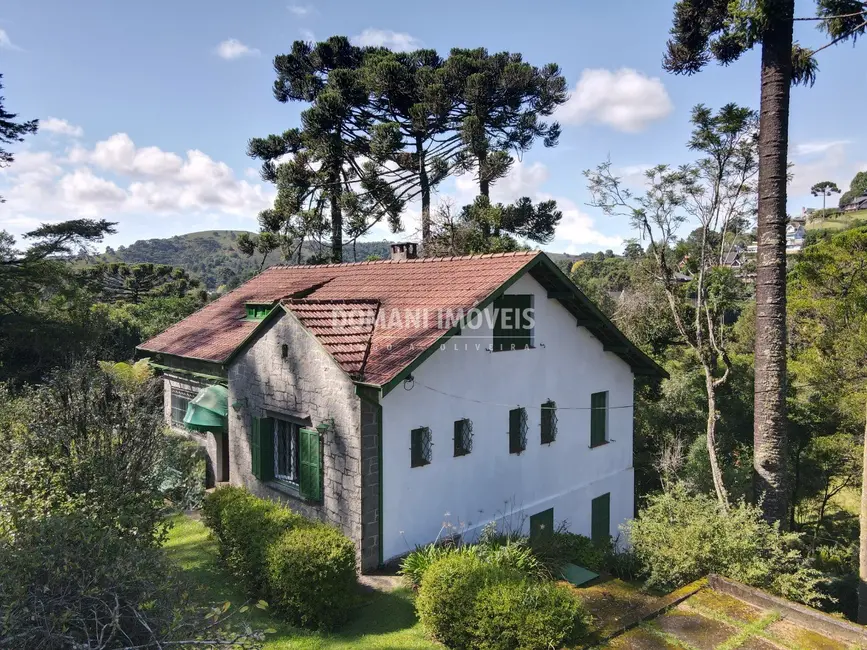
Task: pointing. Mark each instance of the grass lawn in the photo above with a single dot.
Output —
(838, 222)
(385, 620)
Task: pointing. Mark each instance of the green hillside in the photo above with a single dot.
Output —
(841, 221)
(213, 255)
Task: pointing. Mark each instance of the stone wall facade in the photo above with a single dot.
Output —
(371, 439)
(309, 387)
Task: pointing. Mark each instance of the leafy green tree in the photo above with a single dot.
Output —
(325, 185)
(713, 191)
(724, 30)
(680, 537)
(824, 189)
(118, 282)
(485, 228)
(858, 187)
(11, 132)
(416, 103)
(504, 100)
(828, 305)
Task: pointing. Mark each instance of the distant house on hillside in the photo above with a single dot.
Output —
(382, 396)
(734, 258)
(859, 203)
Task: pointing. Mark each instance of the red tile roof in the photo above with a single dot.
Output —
(434, 285)
(344, 327)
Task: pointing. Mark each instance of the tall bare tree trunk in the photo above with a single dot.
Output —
(769, 432)
(336, 228)
(862, 553)
(424, 185)
(715, 470)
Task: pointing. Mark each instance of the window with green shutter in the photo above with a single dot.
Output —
(310, 467)
(549, 422)
(513, 322)
(420, 447)
(598, 419)
(262, 448)
(463, 437)
(600, 519)
(517, 430)
(542, 525)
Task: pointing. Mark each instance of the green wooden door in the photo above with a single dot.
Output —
(600, 519)
(541, 525)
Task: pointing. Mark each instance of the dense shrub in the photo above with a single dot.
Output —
(69, 581)
(182, 472)
(312, 575)
(447, 596)
(307, 570)
(415, 564)
(515, 555)
(85, 441)
(521, 615)
(215, 503)
(562, 547)
(680, 537)
(247, 526)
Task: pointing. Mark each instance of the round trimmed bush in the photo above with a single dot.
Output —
(448, 592)
(249, 525)
(525, 615)
(311, 574)
(215, 503)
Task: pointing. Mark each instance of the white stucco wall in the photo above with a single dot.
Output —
(567, 365)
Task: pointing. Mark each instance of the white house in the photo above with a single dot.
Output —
(391, 397)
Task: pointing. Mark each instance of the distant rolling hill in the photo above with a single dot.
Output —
(213, 255)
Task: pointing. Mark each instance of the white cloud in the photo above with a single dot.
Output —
(301, 10)
(139, 181)
(625, 99)
(61, 127)
(817, 147)
(577, 231)
(232, 48)
(522, 180)
(119, 155)
(307, 35)
(6, 42)
(397, 41)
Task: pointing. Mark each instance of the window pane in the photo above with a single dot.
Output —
(286, 451)
(180, 400)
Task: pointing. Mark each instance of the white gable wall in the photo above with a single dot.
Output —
(566, 365)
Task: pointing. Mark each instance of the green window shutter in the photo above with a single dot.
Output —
(255, 451)
(600, 519)
(262, 448)
(541, 525)
(310, 468)
(266, 449)
(517, 430)
(510, 326)
(598, 419)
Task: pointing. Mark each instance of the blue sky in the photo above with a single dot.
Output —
(146, 107)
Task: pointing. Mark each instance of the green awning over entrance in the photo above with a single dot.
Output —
(209, 409)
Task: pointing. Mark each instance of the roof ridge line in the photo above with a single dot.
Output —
(418, 260)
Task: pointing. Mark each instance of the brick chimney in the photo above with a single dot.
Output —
(404, 251)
